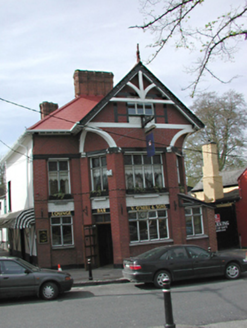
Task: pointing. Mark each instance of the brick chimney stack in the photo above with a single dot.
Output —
(47, 108)
(91, 83)
(212, 181)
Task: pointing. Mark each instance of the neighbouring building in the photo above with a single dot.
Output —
(227, 191)
(103, 176)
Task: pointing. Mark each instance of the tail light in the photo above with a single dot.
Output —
(135, 267)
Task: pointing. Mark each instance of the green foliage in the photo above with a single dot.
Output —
(225, 119)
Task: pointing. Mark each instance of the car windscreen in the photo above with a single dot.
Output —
(28, 265)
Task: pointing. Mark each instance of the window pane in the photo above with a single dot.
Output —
(53, 186)
(153, 229)
(147, 159)
(148, 177)
(63, 165)
(67, 235)
(156, 159)
(99, 218)
(163, 228)
(140, 109)
(56, 235)
(95, 162)
(197, 224)
(55, 221)
(104, 179)
(187, 211)
(127, 160)
(152, 214)
(189, 228)
(133, 231)
(139, 183)
(132, 216)
(66, 220)
(103, 161)
(129, 177)
(52, 166)
(162, 214)
(158, 177)
(196, 210)
(96, 179)
(142, 215)
(137, 159)
(143, 230)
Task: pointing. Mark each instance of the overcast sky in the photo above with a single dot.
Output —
(43, 42)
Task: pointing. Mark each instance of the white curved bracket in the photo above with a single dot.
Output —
(110, 141)
(179, 134)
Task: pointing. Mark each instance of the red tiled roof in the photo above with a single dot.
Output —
(64, 118)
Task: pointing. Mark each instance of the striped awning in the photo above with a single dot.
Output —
(18, 220)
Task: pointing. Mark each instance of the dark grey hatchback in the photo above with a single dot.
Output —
(20, 278)
(181, 262)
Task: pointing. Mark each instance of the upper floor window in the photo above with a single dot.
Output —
(58, 171)
(143, 172)
(140, 109)
(194, 221)
(99, 173)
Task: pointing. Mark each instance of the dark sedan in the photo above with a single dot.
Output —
(182, 262)
(20, 278)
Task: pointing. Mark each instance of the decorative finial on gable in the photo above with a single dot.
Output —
(138, 54)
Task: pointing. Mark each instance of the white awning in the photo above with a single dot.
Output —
(18, 220)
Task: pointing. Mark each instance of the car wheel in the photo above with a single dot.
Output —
(160, 276)
(49, 291)
(232, 271)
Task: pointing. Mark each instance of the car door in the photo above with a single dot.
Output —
(180, 263)
(204, 263)
(15, 280)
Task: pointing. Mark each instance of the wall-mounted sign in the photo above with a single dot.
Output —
(64, 213)
(101, 211)
(148, 207)
(221, 226)
(217, 218)
(43, 236)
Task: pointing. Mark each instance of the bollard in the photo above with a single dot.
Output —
(168, 304)
(89, 269)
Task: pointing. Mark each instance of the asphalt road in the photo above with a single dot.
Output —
(130, 305)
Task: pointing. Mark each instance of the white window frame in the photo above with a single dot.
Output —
(143, 170)
(189, 213)
(58, 179)
(101, 168)
(149, 218)
(61, 225)
(139, 108)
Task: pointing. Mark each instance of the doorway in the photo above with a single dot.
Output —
(105, 244)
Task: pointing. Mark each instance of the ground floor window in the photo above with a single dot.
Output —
(62, 231)
(194, 221)
(148, 225)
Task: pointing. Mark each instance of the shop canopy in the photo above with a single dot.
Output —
(18, 220)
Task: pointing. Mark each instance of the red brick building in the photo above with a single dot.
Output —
(97, 192)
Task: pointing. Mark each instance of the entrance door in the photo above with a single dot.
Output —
(105, 244)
